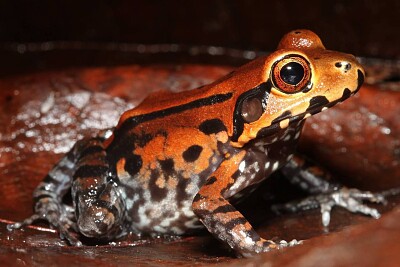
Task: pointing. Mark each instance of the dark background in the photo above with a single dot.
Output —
(362, 27)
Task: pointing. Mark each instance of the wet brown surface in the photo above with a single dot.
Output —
(359, 140)
(43, 114)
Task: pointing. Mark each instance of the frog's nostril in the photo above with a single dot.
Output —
(345, 66)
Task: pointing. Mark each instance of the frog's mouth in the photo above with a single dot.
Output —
(317, 105)
(276, 124)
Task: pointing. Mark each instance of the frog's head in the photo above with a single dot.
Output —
(298, 80)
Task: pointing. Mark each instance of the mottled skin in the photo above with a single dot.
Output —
(172, 164)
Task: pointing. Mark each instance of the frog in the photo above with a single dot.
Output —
(174, 164)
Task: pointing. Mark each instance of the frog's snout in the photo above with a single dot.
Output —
(350, 67)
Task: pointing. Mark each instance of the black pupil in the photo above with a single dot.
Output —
(292, 73)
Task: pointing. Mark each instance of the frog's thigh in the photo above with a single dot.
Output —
(98, 207)
(221, 218)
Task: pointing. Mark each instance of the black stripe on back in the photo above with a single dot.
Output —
(207, 101)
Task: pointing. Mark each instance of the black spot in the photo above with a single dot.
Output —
(143, 139)
(224, 209)
(338, 64)
(236, 174)
(198, 198)
(254, 236)
(274, 127)
(77, 203)
(267, 131)
(133, 164)
(297, 32)
(212, 126)
(157, 193)
(48, 179)
(42, 196)
(318, 101)
(192, 153)
(87, 171)
(360, 79)
(346, 94)
(167, 166)
(181, 194)
(234, 222)
(91, 150)
(134, 215)
(285, 115)
(122, 148)
(211, 180)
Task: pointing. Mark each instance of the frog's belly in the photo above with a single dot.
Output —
(156, 211)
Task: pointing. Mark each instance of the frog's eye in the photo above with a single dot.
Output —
(291, 74)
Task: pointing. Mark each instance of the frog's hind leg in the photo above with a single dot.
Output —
(325, 192)
(97, 209)
(48, 195)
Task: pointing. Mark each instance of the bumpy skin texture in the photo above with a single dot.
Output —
(172, 164)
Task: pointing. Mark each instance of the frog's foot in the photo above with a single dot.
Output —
(350, 199)
(286, 244)
(59, 217)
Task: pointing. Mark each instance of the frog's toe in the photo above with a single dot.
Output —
(26, 222)
(66, 233)
(61, 219)
(292, 243)
(351, 204)
(350, 199)
(271, 245)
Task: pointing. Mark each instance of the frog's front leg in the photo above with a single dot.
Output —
(326, 193)
(222, 219)
(96, 210)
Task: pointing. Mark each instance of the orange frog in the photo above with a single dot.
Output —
(173, 163)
